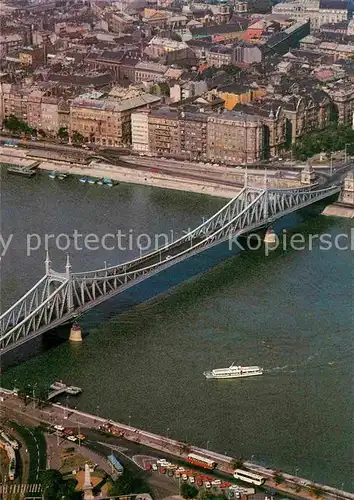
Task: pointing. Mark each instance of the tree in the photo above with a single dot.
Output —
(188, 491)
(12, 123)
(278, 478)
(315, 490)
(237, 463)
(78, 138)
(333, 138)
(63, 133)
(56, 488)
(51, 481)
(129, 483)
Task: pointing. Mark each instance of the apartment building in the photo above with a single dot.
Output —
(234, 137)
(106, 122)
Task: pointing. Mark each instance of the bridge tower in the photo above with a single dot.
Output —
(70, 301)
(347, 195)
(308, 175)
(48, 263)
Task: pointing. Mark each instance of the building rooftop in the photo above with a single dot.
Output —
(114, 105)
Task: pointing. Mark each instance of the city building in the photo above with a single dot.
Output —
(319, 12)
(193, 135)
(342, 95)
(245, 53)
(239, 93)
(140, 130)
(106, 122)
(235, 137)
(164, 135)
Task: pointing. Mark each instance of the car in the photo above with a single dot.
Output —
(208, 484)
(72, 438)
(161, 461)
(199, 481)
(216, 482)
(81, 437)
(225, 484)
(184, 477)
(68, 432)
(59, 427)
(148, 466)
(162, 470)
(154, 467)
(191, 479)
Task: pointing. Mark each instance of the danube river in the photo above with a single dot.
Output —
(290, 312)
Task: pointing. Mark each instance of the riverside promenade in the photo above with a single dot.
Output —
(293, 486)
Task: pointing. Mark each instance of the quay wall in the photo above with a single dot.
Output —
(132, 176)
(181, 450)
(337, 210)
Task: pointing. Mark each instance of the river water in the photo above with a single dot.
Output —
(290, 312)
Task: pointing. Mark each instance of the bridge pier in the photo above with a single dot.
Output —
(75, 333)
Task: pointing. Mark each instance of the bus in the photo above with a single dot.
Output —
(115, 464)
(201, 461)
(249, 477)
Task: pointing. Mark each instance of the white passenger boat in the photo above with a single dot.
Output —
(57, 385)
(234, 372)
(73, 390)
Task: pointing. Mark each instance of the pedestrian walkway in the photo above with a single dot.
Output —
(6, 489)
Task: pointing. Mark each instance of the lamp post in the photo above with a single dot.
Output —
(129, 421)
(331, 170)
(296, 471)
(345, 152)
(34, 394)
(207, 445)
(167, 431)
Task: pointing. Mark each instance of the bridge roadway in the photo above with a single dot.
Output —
(294, 486)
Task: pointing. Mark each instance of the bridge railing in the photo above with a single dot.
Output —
(20, 306)
(52, 307)
(185, 238)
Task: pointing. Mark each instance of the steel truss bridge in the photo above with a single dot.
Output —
(58, 298)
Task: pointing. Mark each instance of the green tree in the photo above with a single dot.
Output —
(129, 483)
(63, 133)
(12, 123)
(56, 488)
(278, 478)
(51, 480)
(237, 463)
(78, 138)
(188, 491)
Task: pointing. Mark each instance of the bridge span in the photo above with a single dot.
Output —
(58, 298)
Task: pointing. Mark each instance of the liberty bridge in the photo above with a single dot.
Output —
(59, 298)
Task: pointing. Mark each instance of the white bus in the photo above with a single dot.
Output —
(249, 477)
(200, 461)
